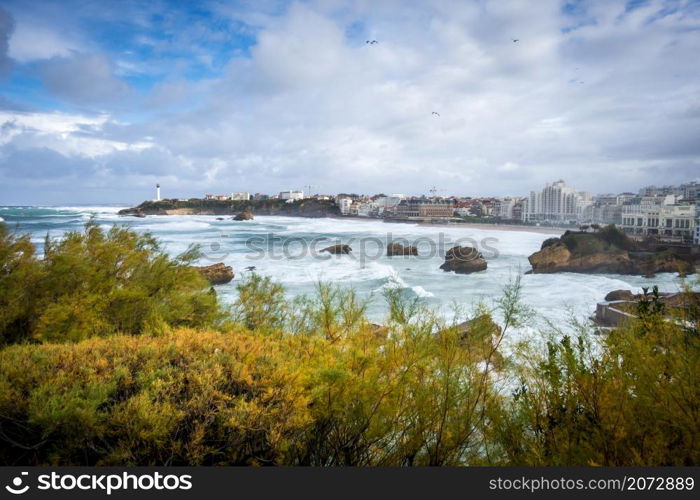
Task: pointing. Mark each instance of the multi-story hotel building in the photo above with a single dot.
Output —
(557, 202)
(673, 221)
(425, 207)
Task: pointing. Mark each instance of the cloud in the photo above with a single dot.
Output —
(31, 42)
(6, 28)
(83, 78)
(601, 95)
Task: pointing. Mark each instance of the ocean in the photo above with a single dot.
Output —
(287, 250)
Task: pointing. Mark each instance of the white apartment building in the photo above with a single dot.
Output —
(504, 208)
(240, 196)
(658, 219)
(557, 202)
(387, 203)
(291, 195)
(344, 204)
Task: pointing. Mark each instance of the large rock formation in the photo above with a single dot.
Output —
(217, 274)
(556, 257)
(244, 215)
(464, 260)
(608, 251)
(310, 207)
(399, 249)
(338, 249)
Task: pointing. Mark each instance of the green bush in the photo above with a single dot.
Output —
(311, 381)
(97, 283)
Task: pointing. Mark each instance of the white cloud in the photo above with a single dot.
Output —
(34, 42)
(608, 105)
(67, 134)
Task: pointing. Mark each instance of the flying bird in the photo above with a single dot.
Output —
(250, 268)
(371, 42)
(515, 40)
(436, 113)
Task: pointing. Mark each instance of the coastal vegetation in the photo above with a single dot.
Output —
(114, 353)
(97, 283)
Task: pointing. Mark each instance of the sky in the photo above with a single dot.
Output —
(101, 100)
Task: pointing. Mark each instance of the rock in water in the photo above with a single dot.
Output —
(610, 251)
(217, 274)
(464, 260)
(619, 295)
(245, 215)
(399, 249)
(338, 249)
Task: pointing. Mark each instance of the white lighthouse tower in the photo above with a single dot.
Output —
(157, 192)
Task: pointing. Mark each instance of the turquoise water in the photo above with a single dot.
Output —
(281, 248)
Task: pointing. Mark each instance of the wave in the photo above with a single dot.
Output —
(185, 225)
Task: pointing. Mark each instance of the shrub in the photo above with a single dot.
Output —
(96, 283)
(189, 397)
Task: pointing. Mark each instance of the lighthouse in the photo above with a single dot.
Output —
(157, 192)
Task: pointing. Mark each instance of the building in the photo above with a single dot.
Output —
(666, 221)
(557, 202)
(689, 191)
(505, 208)
(291, 195)
(344, 204)
(425, 207)
(157, 192)
(386, 205)
(240, 196)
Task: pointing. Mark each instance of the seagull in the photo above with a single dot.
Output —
(436, 113)
(515, 40)
(371, 42)
(250, 268)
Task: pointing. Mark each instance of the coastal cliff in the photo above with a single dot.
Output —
(297, 208)
(606, 251)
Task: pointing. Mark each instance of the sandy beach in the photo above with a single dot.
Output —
(480, 225)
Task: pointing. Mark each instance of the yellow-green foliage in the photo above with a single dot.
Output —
(310, 381)
(97, 283)
(633, 400)
(337, 392)
(188, 397)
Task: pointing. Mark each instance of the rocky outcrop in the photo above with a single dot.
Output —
(464, 260)
(300, 208)
(596, 253)
(244, 215)
(338, 249)
(482, 324)
(399, 249)
(558, 258)
(133, 212)
(619, 295)
(217, 274)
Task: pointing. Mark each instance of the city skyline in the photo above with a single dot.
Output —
(99, 101)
